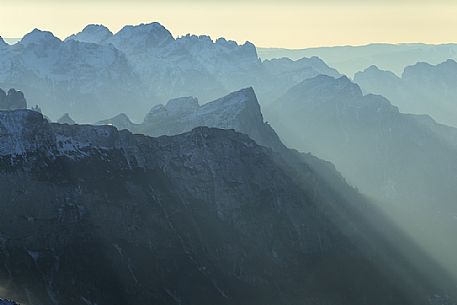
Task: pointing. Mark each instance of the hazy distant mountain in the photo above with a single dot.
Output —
(423, 88)
(66, 119)
(93, 215)
(85, 79)
(394, 156)
(405, 162)
(351, 59)
(282, 74)
(120, 121)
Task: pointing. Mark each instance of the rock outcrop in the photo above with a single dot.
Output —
(239, 110)
(13, 100)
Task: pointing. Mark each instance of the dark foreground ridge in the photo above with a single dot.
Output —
(93, 215)
(7, 302)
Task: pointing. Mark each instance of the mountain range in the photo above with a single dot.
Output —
(304, 187)
(144, 65)
(351, 59)
(422, 89)
(69, 76)
(368, 139)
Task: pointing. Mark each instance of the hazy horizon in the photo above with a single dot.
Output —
(13, 40)
(292, 25)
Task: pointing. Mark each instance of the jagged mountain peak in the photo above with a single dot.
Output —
(239, 110)
(221, 41)
(92, 33)
(310, 67)
(231, 44)
(241, 97)
(149, 35)
(235, 109)
(39, 37)
(196, 38)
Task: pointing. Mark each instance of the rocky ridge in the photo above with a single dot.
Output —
(204, 217)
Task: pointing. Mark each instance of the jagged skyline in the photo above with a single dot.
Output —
(293, 24)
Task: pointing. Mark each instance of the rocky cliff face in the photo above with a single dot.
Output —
(199, 66)
(96, 73)
(91, 215)
(239, 110)
(188, 65)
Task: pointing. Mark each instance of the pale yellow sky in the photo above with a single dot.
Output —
(286, 23)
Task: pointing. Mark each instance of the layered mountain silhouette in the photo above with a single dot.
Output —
(95, 73)
(422, 89)
(390, 154)
(240, 110)
(192, 194)
(405, 162)
(96, 215)
(352, 59)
